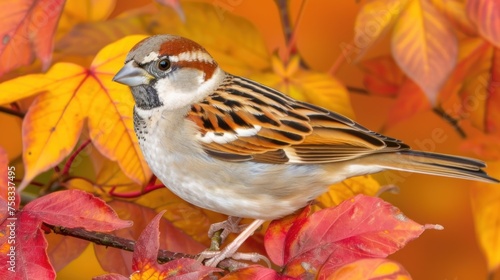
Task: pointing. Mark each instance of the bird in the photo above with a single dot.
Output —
(234, 146)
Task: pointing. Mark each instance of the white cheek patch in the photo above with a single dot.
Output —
(227, 137)
(150, 57)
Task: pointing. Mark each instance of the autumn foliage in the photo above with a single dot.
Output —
(72, 176)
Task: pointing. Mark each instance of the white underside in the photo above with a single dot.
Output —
(247, 189)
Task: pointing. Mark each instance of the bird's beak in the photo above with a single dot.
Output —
(132, 75)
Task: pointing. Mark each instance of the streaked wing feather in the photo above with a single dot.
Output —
(243, 120)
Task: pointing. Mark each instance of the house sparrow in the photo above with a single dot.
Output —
(233, 146)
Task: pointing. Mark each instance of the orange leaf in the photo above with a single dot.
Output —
(373, 20)
(410, 100)
(95, 35)
(472, 52)
(382, 76)
(424, 46)
(485, 14)
(4, 164)
(486, 209)
(26, 31)
(176, 5)
(480, 95)
(369, 269)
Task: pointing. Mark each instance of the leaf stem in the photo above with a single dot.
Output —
(67, 166)
(147, 189)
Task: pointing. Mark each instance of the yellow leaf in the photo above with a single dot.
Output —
(373, 20)
(307, 85)
(347, 189)
(110, 121)
(485, 200)
(424, 46)
(55, 119)
(70, 94)
(370, 269)
(193, 220)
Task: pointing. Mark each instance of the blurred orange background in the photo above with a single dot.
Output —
(324, 27)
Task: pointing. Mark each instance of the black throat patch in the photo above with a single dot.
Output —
(145, 97)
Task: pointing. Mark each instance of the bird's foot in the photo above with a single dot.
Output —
(214, 257)
(231, 225)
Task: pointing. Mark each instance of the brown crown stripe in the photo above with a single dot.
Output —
(179, 45)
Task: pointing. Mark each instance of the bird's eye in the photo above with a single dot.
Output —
(164, 64)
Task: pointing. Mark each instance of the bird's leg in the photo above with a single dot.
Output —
(231, 248)
(231, 225)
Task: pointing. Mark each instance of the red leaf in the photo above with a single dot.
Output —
(145, 263)
(64, 249)
(29, 256)
(76, 208)
(254, 272)
(171, 238)
(148, 244)
(277, 234)
(383, 76)
(363, 227)
(26, 31)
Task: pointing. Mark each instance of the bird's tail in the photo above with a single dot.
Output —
(435, 164)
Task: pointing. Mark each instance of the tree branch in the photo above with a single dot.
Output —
(109, 240)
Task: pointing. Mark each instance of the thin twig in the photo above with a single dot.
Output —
(452, 121)
(289, 32)
(357, 90)
(12, 112)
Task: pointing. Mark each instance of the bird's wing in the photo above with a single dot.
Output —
(245, 121)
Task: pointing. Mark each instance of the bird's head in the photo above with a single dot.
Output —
(169, 72)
